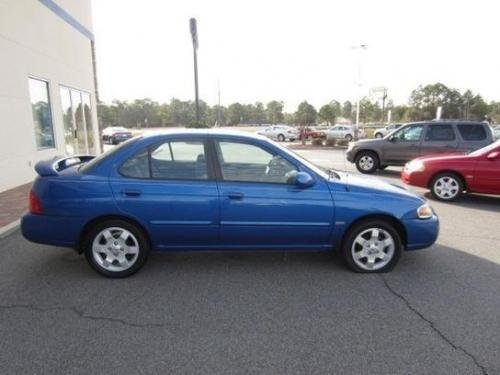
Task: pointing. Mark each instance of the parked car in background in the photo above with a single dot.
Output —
(418, 139)
(449, 176)
(343, 132)
(199, 190)
(382, 132)
(312, 133)
(120, 136)
(109, 131)
(496, 131)
(280, 133)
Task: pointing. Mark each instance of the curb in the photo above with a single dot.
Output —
(10, 228)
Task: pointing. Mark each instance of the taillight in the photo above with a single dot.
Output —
(35, 204)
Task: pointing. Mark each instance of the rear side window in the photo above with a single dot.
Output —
(440, 133)
(176, 160)
(472, 132)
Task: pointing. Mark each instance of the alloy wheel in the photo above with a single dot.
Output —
(115, 249)
(373, 249)
(446, 187)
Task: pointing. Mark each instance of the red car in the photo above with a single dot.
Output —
(449, 176)
(312, 133)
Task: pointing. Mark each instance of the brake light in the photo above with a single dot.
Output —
(35, 204)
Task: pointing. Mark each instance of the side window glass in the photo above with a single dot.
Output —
(472, 132)
(440, 133)
(179, 160)
(409, 133)
(249, 163)
(137, 166)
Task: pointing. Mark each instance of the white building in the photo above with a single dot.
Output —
(47, 86)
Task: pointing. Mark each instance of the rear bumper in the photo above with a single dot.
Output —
(421, 233)
(51, 230)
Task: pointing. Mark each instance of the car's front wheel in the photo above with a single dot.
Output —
(348, 138)
(116, 248)
(367, 162)
(281, 138)
(447, 187)
(372, 246)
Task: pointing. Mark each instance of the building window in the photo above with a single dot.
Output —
(42, 116)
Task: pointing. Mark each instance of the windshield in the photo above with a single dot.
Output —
(306, 162)
(98, 159)
(486, 149)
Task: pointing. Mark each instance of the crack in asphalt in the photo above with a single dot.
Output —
(433, 326)
(83, 315)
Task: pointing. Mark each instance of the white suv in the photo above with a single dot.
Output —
(280, 133)
(382, 132)
(343, 132)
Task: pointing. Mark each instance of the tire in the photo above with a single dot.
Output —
(379, 135)
(447, 187)
(348, 138)
(372, 246)
(281, 138)
(127, 255)
(367, 162)
(292, 139)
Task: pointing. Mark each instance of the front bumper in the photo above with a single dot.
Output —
(51, 230)
(350, 153)
(421, 233)
(414, 178)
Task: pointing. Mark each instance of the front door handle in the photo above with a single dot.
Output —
(235, 195)
(131, 193)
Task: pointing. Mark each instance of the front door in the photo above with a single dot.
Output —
(258, 208)
(169, 189)
(404, 144)
(487, 174)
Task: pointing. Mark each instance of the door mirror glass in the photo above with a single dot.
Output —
(493, 155)
(300, 179)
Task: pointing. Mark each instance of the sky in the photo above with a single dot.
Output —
(295, 50)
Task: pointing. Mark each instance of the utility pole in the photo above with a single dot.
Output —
(194, 36)
(360, 48)
(218, 102)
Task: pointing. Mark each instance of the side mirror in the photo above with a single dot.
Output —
(493, 155)
(393, 139)
(303, 180)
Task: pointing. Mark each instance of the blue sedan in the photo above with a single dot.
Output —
(199, 190)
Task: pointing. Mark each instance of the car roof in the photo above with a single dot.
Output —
(203, 132)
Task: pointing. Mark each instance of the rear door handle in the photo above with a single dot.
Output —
(131, 193)
(235, 195)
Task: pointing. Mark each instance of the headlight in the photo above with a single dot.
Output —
(415, 166)
(425, 212)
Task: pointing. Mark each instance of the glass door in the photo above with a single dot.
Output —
(87, 118)
(81, 133)
(68, 121)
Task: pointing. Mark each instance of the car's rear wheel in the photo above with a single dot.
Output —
(116, 248)
(372, 246)
(281, 138)
(379, 135)
(447, 187)
(367, 162)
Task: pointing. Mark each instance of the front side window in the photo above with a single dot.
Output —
(243, 162)
(179, 160)
(472, 132)
(42, 116)
(410, 133)
(440, 133)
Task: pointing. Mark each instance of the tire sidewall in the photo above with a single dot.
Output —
(360, 227)
(375, 162)
(143, 243)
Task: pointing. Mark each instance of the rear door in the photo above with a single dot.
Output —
(473, 136)
(439, 138)
(170, 188)
(487, 174)
(258, 208)
(404, 144)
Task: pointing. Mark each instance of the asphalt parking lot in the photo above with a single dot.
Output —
(438, 312)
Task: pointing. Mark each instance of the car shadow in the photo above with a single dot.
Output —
(474, 201)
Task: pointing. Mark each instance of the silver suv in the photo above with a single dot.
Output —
(418, 139)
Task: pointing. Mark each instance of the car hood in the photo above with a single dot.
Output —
(452, 156)
(373, 185)
(369, 142)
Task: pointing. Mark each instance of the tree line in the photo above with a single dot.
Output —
(422, 105)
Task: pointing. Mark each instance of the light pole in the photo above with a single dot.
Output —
(194, 36)
(359, 48)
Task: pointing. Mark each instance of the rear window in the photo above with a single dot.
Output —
(472, 132)
(440, 133)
